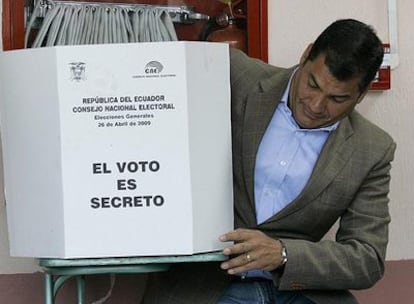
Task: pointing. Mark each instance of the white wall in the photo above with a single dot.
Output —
(292, 25)
(295, 23)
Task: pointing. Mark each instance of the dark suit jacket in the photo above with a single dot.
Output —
(350, 182)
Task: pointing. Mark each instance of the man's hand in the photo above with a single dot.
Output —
(252, 250)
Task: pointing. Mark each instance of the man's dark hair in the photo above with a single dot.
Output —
(352, 49)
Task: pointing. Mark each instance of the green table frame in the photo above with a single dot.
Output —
(58, 271)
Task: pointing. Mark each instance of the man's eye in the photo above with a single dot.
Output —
(312, 85)
(339, 99)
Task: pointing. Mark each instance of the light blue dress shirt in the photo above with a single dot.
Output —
(285, 160)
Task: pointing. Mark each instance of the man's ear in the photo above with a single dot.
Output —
(362, 95)
(305, 54)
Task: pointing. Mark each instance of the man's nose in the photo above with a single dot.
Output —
(318, 103)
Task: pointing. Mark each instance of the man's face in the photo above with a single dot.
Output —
(317, 99)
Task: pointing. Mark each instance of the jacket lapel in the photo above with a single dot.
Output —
(334, 156)
(260, 107)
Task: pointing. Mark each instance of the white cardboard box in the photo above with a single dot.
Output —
(117, 150)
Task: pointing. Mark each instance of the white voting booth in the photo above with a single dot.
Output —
(117, 150)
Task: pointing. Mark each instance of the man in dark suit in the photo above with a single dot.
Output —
(303, 158)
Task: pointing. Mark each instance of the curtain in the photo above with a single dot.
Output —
(71, 23)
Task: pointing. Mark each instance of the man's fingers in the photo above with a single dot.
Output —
(237, 235)
(252, 249)
(241, 263)
(237, 249)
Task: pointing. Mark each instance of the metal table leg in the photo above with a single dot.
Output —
(49, 289)
(81, 290)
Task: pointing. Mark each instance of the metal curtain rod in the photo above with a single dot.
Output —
(178, 14)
